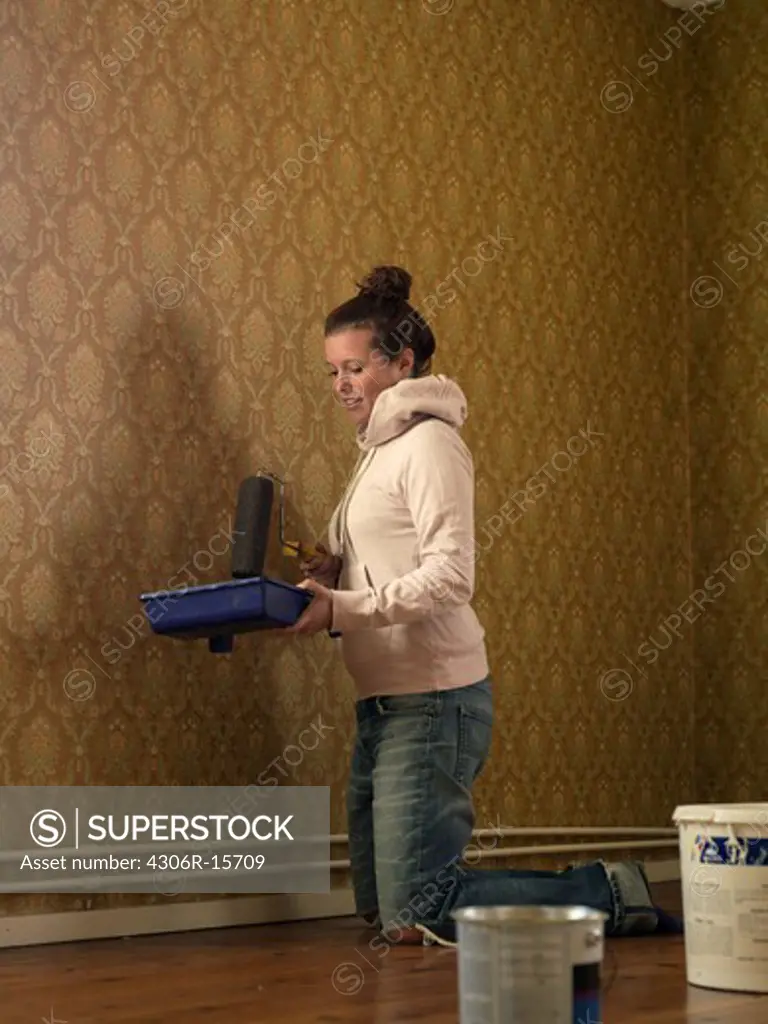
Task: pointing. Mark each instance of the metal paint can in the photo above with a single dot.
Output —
(530, 965)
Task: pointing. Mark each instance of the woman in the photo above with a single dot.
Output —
(396, 585)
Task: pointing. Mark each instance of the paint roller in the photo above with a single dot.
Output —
(253, 520)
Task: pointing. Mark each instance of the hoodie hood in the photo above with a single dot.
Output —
(410, 401)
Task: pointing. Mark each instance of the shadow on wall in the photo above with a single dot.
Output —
(157, 510)
(728, 297)
(137, 491)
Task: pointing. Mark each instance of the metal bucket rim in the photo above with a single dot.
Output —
(525, 916)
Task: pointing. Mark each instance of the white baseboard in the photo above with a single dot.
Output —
(122, 922)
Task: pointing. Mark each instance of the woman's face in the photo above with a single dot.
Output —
(360, 373)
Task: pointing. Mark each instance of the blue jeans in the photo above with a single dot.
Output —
(411, 816)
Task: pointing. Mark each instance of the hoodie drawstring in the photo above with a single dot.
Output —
(340, 515)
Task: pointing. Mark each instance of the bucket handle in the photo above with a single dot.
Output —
(737, 842)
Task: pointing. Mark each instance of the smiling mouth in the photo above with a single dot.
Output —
(350, 403)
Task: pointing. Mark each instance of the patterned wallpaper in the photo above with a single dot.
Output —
(185, 190)
(728, 179)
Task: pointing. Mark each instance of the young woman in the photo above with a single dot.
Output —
(396, 584)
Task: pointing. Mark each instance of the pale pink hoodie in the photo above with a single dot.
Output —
(405, 532)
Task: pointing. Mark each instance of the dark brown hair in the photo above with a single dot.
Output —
(381, 304)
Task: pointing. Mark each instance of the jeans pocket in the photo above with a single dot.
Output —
(476, 701)
(474, 743)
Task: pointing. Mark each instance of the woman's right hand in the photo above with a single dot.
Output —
(322, 567)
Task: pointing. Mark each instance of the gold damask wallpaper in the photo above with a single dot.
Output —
(186, 189)
(728, 179)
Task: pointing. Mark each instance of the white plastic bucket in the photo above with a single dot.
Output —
(529, 965)
(724, 872)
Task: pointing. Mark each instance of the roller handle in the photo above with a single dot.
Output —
(295, 549)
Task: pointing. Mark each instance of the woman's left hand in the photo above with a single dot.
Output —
(319, 614)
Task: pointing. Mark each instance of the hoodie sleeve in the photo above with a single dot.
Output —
(438, 484)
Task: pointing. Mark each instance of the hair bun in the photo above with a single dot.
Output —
(387, 283)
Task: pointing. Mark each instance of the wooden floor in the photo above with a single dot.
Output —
(324, 972)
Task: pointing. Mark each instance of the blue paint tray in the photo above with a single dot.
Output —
(219, 611)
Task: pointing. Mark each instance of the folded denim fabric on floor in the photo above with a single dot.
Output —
(634, 911)
(637, 913)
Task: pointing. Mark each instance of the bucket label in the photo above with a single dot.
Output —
(586, 1010)
(730, 850)
(586, 994)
